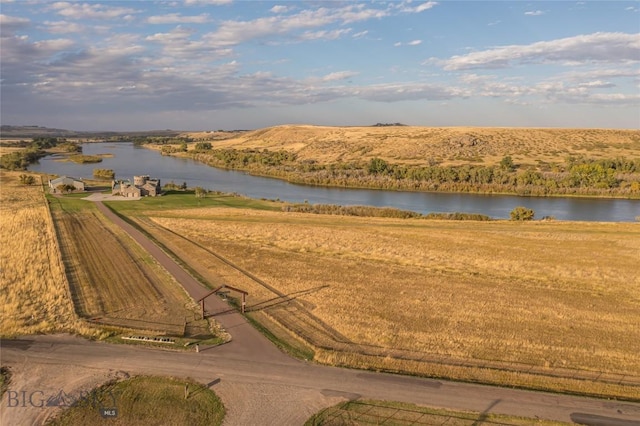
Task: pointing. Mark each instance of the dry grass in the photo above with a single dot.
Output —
(34, 294)
(544, 294)
(446, 145)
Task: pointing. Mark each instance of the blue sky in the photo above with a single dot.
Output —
(221, 64)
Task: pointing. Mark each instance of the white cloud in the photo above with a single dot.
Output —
(360, 34)
(13, 20)
(231, 33)
(596, 47)
(407, 7)
(325, 35)
(426, 6)
(91, 11)
(410, 43)
(534, 13)
(279, 9)
(63, 27)
(176, 18)
(207, 2)
(597, 84)
(339, 75)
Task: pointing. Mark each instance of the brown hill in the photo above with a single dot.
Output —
(443, 145)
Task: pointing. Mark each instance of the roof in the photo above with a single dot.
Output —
(64, 179)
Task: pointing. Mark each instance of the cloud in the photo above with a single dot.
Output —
(360, 34)
(279, 9)
(596, 47)
(325, 35)
(177, 44)
(396, 92)
(63, 27)
(597, 84)
(207, 2)
(176, 18)
(426, 6)
(232, 32)
(534, 13)
(406, 6)
(91, 11)
(339, 75)
(10, 24)
(410, 43)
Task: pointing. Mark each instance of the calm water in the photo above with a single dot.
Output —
(129, 160)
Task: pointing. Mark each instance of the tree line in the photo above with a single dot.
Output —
(574, 176)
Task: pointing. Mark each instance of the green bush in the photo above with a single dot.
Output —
(522, 213)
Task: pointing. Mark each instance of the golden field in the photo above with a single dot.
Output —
(546, 294)
(447, 146)
(34, 294)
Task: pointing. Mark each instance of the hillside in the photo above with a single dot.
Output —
(437, 145)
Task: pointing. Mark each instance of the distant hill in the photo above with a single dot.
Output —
(443, 145)
(27, 132)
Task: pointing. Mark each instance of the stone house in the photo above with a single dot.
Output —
(141, 186)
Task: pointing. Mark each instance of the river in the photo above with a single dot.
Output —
(129, 160)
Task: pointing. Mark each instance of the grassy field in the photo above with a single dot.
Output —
(147, 400)
(389, 293)
(34, 294)
(445, 145)
(358, 413)
(113, 281)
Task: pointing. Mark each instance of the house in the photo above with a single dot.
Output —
(54, 184)
(141, 186)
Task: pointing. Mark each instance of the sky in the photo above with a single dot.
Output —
(223, 64)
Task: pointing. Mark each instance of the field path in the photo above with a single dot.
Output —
(258, 384)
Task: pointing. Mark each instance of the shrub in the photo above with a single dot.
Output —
(522, 213)
(27, 179)
(104, 173)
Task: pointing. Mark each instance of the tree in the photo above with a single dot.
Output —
(377, 165)
(507, 164)
(522, 213)
(65, 188)
(27, 179)
(203, 146)
(200, 192)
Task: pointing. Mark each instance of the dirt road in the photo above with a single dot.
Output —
(258, 384)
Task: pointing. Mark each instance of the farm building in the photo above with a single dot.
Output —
(142, 186)
(54, 184)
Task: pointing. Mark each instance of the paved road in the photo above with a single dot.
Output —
(262, 386)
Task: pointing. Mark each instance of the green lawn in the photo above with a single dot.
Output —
(146, 401)
(186, 199)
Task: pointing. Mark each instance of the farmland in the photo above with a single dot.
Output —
(549, 297)
(113, 281)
